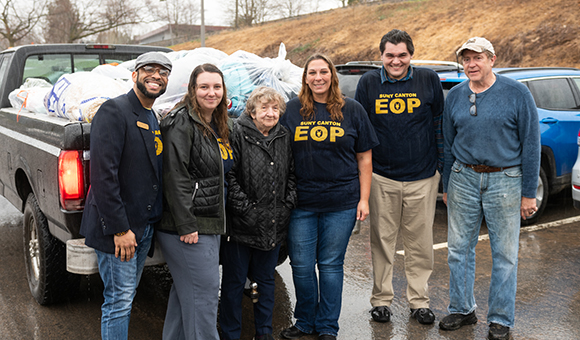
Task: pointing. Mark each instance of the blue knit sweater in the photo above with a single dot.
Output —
(504, 133)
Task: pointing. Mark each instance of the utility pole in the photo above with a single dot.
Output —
(236, 18)
(202, 28)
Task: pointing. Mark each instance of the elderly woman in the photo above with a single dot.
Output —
(332, 142)
(261, 194)
(196, 156)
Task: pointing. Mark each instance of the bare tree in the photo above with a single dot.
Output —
(175, 12)
(18, 19)
(79, 20)
(250, 12)
(288, 8)
(62, 22)
(119, 35)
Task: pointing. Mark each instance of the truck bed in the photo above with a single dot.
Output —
(31, 144)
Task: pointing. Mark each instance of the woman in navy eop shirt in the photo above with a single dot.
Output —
(331, 141)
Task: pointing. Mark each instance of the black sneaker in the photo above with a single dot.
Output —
(381, 314)
(326, 337)
(455, 321)
(424, 315)
(292, 333)
(499, 332)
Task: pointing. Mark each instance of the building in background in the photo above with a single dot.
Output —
(180, 33)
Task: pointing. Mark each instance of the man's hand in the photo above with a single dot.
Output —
(528, 207)
(189, 238)
(125, 246)
(445, 198)
(362, 210)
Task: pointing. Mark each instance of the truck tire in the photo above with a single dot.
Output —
(45, 258)
(542, 194)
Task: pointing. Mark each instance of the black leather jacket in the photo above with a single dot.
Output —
(261, 185)
(193, 176)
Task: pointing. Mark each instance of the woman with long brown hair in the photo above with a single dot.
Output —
(332, 140)
(196, 157)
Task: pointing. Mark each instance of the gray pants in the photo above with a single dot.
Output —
(193, 299)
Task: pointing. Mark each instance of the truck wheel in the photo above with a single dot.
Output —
(542, 194)
(45, 258)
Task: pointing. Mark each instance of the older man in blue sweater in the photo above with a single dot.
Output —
(492, 161)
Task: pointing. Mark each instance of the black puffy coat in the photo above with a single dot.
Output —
(261, 185)
(193, 176)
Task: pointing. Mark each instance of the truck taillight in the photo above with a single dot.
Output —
(70, 180)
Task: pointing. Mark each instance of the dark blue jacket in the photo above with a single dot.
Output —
(124, 182)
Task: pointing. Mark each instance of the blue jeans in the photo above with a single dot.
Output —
(238, 261)
(120, 281)
(497, 197)
(318, 239)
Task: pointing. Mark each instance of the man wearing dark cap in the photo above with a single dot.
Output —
(125, 198)
(492, 163)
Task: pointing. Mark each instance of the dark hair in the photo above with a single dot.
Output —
(396, 37)
(335, 100)
(220, 113)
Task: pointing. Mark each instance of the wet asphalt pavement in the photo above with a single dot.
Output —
(547, 306)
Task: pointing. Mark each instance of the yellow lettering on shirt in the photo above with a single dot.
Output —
(301, 133)
(335, 132)
(381, 106)
(397, 103)
(225, 150)
(320, 132)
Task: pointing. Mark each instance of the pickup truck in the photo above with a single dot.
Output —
(44, 167)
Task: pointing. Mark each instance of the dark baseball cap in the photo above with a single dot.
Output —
(153, 58)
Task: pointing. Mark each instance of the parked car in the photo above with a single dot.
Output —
(556, 91)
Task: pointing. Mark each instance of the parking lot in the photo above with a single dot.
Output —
(548, 300)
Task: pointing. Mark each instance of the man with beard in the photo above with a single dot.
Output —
(125, 198)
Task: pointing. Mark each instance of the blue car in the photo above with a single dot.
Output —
(556, 91)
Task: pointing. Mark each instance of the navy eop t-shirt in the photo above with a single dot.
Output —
(325, 151)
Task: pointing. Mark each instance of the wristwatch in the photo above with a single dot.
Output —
(121, 233)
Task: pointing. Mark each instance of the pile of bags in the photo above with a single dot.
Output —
(77, 96)
(244, 71)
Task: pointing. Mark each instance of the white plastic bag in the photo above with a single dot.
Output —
(244, 71)
(78, 96)
(115, 72)
(180, 73)
(30, 95)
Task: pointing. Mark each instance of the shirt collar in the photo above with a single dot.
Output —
(386, 78)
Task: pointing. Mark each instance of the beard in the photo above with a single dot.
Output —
(141, 86)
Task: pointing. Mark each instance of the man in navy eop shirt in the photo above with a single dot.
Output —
(404, 104)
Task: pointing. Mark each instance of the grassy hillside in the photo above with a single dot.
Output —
(523, 32)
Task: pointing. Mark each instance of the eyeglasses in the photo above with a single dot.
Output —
(150, 70)
(473, 108)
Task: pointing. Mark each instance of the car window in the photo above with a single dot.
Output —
(47, 66)
(577, 81)
(86, 62)
(4, 64)
(554, 94)
(348, 83)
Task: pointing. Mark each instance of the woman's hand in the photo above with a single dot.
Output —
(189, 238)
